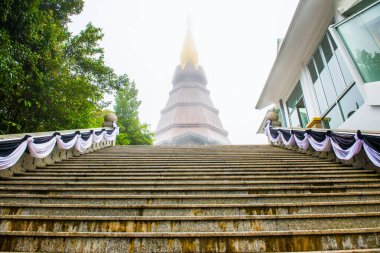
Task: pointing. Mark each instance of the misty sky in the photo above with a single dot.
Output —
(236, 42)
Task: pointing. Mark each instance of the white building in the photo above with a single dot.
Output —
(327, 71)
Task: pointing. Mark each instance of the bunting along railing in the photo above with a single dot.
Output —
(11, 150)
(345, 145)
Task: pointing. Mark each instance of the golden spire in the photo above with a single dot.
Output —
(189, 51)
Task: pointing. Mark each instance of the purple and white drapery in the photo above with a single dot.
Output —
(41, 147)
(345, 146)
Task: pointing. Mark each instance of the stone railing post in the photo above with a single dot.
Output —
(110, 120)
(272, 116)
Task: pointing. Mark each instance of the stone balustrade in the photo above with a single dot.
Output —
(356, 148)
(27, 151)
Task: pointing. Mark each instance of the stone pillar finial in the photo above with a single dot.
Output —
(273, 117)
(109, 119)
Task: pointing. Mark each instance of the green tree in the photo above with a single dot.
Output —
(126, 108)
(49, 79)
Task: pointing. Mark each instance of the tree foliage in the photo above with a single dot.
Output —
(34, 69)
(50, 79)
(132, 132)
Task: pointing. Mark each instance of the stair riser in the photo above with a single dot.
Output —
(106, 174)
(118, 162)
(189, 244)
(207, 211)
(189, 157)
(218, 158)
(198, 166)
(231, 200)
(191, 154)
(169, 185)
(116, 191)
(188, 179)
(187, 226)
(187, 171)
(102, 161)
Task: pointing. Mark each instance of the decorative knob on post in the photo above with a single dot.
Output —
(273, 117)
(110, 120)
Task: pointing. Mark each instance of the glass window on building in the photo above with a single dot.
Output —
(328, 74)
(332, 119)
(350, 102)
(337, 95)
(344, 108)
(361, 35)
(348, 79)
(320, 94)
(332, 63)
(296, 108)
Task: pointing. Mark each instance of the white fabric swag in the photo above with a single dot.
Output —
(42, 150)
(289, 142)
(372, 154)
(327, 145)
(10, 160)
(347, 154)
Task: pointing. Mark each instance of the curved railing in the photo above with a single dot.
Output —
(345, 145)
(42, 146)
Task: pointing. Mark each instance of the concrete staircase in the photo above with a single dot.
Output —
(191, 199)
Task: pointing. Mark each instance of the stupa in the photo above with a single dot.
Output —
(189, 117)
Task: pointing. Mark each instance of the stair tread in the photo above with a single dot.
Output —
(293, 187)
(94, 196)
(195, 234)
(190, 218)
(106, 173)
(199, 178)
(218, 183)
(206, 205)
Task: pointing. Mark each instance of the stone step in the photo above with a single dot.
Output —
(200, 156)
(200, 184)
(179, 150)
(212, 174)
(263, 164)
(189, 209)
(377, 250)
(197, 164)
(188, 178)
(192, 156)
(193, 170)
(193, 224)
(189, 199)
(258, 241)
(191, 190)
(203, 151)
(189, 159)
(296, 164)
(103, 160)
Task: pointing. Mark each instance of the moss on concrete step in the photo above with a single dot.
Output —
(188, 224)
(189, 209)
(192, 242)
(188, 199)
(189, 191)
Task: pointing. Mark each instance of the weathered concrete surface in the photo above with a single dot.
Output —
(190, 199)
(186, 243)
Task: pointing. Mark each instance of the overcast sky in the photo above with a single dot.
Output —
(236, 42)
